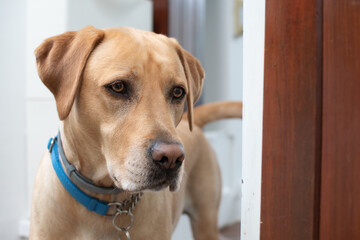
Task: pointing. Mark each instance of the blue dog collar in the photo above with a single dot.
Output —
(92, 204)
(78, 179)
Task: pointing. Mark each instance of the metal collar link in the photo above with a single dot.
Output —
(125, 208)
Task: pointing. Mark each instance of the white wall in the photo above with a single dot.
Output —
(254, 31)
(27, 109)
(223, 64)
(12, 117)
(205, 28)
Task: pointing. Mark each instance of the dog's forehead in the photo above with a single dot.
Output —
(127, 49)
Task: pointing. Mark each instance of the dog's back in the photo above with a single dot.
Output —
(212, 112)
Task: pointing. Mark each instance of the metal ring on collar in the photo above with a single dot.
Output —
(119, 213)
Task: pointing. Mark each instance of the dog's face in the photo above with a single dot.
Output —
(137, 86)
(128, 95)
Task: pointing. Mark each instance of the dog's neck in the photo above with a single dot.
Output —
(86, 156)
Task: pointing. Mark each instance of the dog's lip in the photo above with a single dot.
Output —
(157, 182)
(164, 180)
(158, 186)
(151, 186)
(155, 186)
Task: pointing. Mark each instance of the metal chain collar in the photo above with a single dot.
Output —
(125, 208)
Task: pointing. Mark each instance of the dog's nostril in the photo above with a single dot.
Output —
(164, 160)
(179, 161)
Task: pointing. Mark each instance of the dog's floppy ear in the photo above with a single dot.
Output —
(60, 62)
(194, 76)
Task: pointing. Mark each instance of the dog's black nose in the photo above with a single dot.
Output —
(168, 155)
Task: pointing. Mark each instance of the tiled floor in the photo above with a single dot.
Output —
(231, 232)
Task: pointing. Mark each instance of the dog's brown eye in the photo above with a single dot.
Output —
(118, 87)
(178, 92)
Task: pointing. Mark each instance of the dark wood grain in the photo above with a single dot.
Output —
(292, 120)
(161, 16)
(340, 189)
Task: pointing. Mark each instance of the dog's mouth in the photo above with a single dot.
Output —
(163, 180)
(152, 181)
(156, 186)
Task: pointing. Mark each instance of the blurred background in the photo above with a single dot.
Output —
(210, 29)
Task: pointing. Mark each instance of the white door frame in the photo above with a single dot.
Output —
(253, 84)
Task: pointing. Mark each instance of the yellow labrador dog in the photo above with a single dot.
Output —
(127, 161)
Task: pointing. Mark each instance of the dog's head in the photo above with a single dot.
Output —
(123, 91)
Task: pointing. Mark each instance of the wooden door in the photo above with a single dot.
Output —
(161, 16)
(340, 175)
(291, 120)
(311, 121)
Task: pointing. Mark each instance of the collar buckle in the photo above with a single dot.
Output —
(51, 143)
